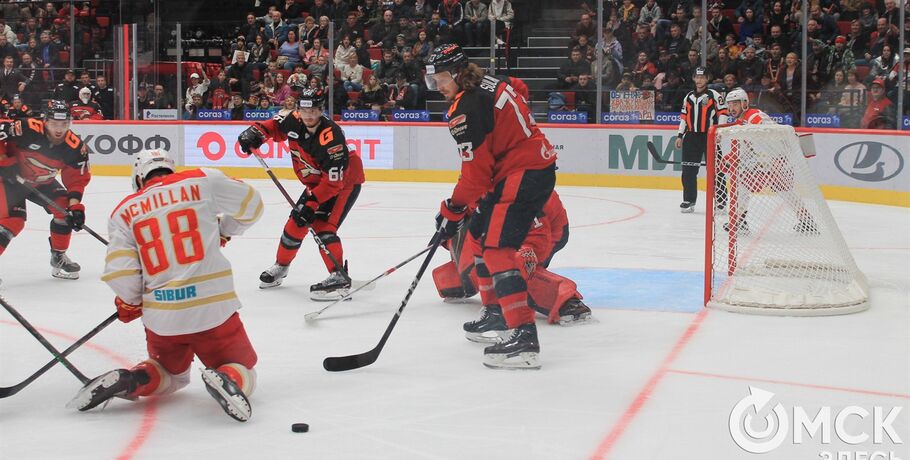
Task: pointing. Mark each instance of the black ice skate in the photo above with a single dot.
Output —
(490, 328)
(273, 276)
(574, 312)
(63, 267)
(225, 391)
(336, 286)
(686, 207)
(519, 352)
(119, 382)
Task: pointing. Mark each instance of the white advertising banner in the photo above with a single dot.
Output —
(116, 143)
(216, 145)
(863, 160)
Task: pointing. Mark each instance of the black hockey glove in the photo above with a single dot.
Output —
(75, 217)
(449, 219)
(304, 212)
(250, 139)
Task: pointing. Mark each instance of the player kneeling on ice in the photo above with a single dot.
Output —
(164, 262)
(750, 175)
(509, 162)
(332, 176)
(551, 295)
(32, 152)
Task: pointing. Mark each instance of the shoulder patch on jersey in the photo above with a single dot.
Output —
(458, 125)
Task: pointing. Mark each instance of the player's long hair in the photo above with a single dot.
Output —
(469, 77)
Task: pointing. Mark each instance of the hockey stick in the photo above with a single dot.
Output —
(56, 206)
(656, 156)
(346, 363)
(315, 314)
(293, 204)
(6, 392)
(34, 332)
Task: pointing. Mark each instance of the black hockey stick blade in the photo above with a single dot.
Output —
(350, 362)
(6, 392)
(657, 158)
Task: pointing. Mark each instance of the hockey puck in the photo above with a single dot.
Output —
(300, 428)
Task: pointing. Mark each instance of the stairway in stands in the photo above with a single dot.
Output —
(537, 55)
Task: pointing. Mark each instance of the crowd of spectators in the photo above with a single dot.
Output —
(853, 58)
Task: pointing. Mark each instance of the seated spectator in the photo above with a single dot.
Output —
(259, 52)
(298, 80)
(239, 76)
(694, 25)
(676, 43)
(291, 52)
(688, 66)
(757, 6)
(585, 95)
(290, 103)
(352, 74)
(400, 96)
(733, 48)
(352, 27)
(383, 35)
(264, 103)
(68, 89)
(277, 30)
(436, 31)
(252, 103)
(308, 31)
(7, 49)
(143, 101)
(162, 100)
(193, 108)
(586, 48)
(290, 9)
(730, 83)
(832, 92)
(644, 67)
(749, 69)
(322, 30)
(501, 17)
(672, 93)
(773, 63)
(827, 25)
(370, 14)
(320, 8)
(778, 15)
(854, 91)
(612, 58)
(421, 9)
(719, 26)
(373, 94)
(387, 68)
(422, 46)
(452, 12)
(7, 32)
(250, 29)
(650, 14)
(641, 42)
(220, 82)
(363, 54)
(626, 83)
(401, 44)
(712, 47)
(878, 113)
(749, 26)
(885, 35)
(882, 65)
(104, 96)
(197, 86)
(315, 82)
(317, 51)
(282, 90)
(476, 23)
(11, 80)
(321, 67)
(779, 38)
(407, 30)
(568, 72)
(344, 51)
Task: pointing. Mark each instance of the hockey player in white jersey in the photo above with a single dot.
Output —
(165, 265)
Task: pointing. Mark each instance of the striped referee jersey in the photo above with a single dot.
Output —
(701, 111)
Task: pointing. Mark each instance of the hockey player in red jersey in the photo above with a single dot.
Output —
(165, 265)
(34, 151)
(509, 169)
(332, 176)
(550, 294)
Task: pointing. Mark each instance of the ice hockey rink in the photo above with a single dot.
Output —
(656, 377)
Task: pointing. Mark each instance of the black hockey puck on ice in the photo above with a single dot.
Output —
(300, 428)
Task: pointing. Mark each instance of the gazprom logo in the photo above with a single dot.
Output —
(869, 161)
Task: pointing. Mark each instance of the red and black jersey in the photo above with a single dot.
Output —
(322, 160)
(86, 111)
(496, 136)
(39, 160)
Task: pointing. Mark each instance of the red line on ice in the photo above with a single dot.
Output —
(795, 384)
(635, 407)
(150, 409)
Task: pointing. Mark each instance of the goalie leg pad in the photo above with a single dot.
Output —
(448, 283)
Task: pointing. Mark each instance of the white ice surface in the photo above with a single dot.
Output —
(428, 396)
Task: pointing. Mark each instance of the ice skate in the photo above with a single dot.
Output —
(336, 286)
(741, 230)
(686, 207)
(574, 312)
(273, 276)
(119, 382)
(490, 328)
(519, 352)
(62, 267)
(225, 391)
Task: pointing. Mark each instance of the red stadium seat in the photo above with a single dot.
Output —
(375, 53)
(729, 14)
(286, 73)
(366, 75)
(256, 74)
(354, 95)
(570, 99)
(103, 21)
(843, 27)
(736, 27)
(861, 72)
(64, 57)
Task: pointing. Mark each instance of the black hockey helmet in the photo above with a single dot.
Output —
(444, 58)
(57, 110)
(311, 98)
(699, 71)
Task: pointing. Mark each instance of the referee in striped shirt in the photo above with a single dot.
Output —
(702, 109)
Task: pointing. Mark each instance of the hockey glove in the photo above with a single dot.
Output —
(75, 216)
(250, 139)
(449, 219)
(305, 213)
(224, 240)
(527, 260)
(127, 312)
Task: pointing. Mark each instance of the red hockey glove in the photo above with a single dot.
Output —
(224, 240)
(75, 216)
(449, 219)
(127, 312)
(527, 259)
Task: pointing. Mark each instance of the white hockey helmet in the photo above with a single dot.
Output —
(148, 161)
(738, 94)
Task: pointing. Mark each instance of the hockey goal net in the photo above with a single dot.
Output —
(772, 246)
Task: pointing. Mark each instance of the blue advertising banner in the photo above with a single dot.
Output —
(207, 114)
(410, 115)
(822, 120)
(782, 118)
(906, 122)
(620, 117)
(259, 114)
(360, 115)
(567, 117)
(666, 118)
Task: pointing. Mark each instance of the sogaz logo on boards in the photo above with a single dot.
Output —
(622, 155)
(869, 161)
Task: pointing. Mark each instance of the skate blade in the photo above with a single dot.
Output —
(84, 397)
(491, 337)
(329, 296)
(570, 321)
(65, 275)
(522, 361)
(689, 210)
(264, 285)
(237, 406)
